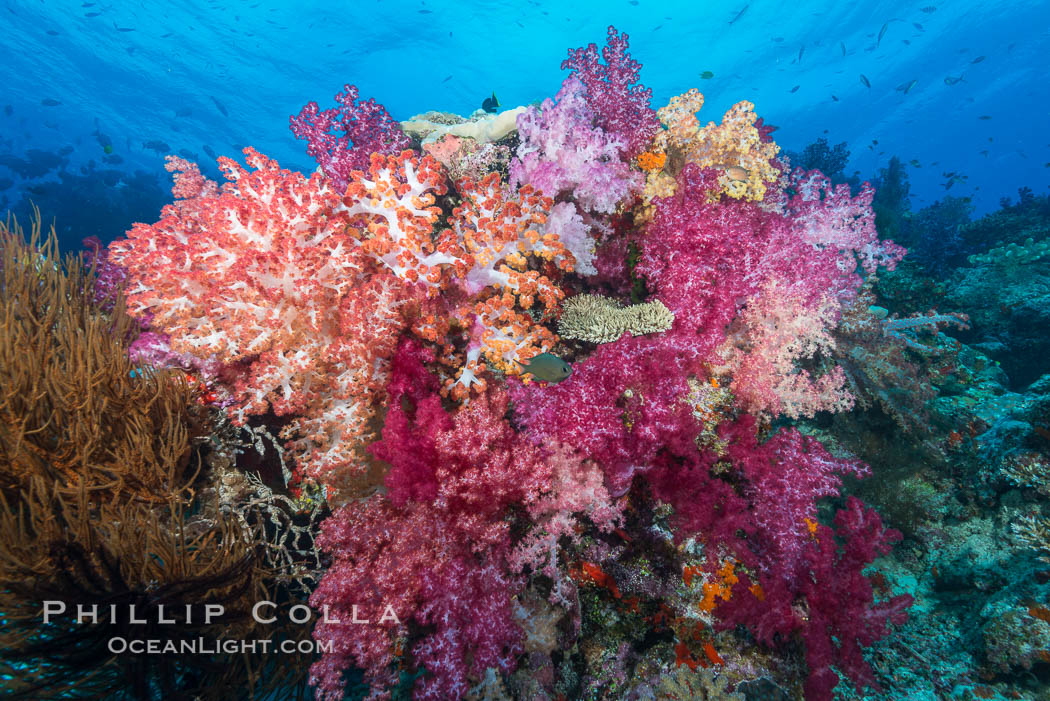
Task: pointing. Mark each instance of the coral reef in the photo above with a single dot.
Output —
(324, 389)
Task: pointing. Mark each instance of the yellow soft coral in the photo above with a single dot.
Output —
(734, 146)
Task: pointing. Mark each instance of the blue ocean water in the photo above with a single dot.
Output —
(149, 78)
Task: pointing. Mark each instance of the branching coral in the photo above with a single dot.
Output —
(379, 311)
(619, 101)
(437, 555)
(775, 331)
(598, 319)
(562, 153)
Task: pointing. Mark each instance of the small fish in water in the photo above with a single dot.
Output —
(49, 102)
(882, 33)
(425, 12)
(978, 59)
(906, 87)
(52, 32)
(547, 367)
(157, 146)
(929, 8)
(220, 107)
(490, 104)
(879, 312)
(918, 26)
(777, 40)
(107, 149)
(9, 110)
(707, 75)
(834, 98)
(739, 14)
(864, 80)
(985, 153)
(92, 14)
(952, 80)
(801, 50)
(208, 150)
(795, 89)
(183, 112)
(985, 116)
(447, 78)
(842, 45)
(915, 163)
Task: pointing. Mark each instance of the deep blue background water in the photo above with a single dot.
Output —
(165, 77)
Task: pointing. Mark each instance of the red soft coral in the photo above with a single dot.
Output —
(438, 546)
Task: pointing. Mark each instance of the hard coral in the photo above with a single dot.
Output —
(598, 319)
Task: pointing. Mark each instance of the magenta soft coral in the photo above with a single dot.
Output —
(704, 257)
(613, 92)
(342, 139)
(621, 406)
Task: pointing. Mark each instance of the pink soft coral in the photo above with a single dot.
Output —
(262, 275)
(621, 406)
(562, 152)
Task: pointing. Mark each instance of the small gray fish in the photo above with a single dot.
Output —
(49, 102)
(220, 106)
(795, 89)
(547, 367)
(865, 81)
(842, 45)
(882, 33)
(951, 80)
(739, 14)
(906, 87)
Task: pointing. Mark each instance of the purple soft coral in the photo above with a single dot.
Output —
(366, 128)
(563, 152)
(621, 105)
